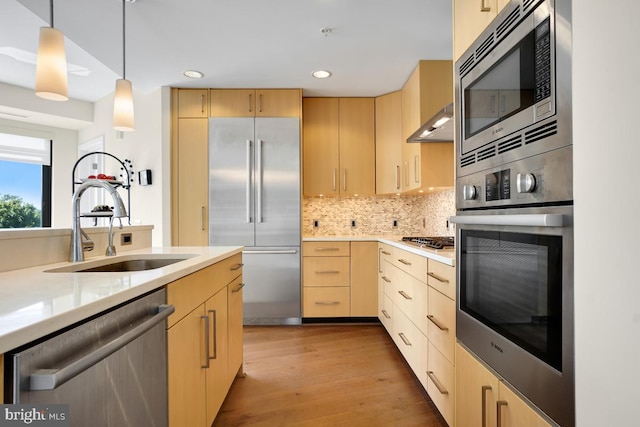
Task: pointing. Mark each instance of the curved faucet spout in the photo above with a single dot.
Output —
(119, 211)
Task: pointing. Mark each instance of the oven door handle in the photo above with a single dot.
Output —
(525, 220)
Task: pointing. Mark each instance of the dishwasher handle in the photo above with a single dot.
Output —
(50, 379)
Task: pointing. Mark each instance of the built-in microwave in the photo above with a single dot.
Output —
(512, 97)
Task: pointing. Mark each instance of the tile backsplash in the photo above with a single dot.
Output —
(419, 215)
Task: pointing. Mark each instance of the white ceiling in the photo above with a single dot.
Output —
(372, 48)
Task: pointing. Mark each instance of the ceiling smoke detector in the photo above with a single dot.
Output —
(326, 31)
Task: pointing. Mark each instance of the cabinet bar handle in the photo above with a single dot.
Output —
(260, 103)
(202, 220)
(499, 405)
(379, 260)
(249, 183)
(437, 383)
(237, 267)
(202, 103)
(214, 335)
(435, 322)
(386, 279)
(206, 341)
(327, 302)
(238, 288)
(438, 278)
(404, 338)
(326, 249)
(484, 7)
(397, 177)
(405, 296)
(386, 314)
(485, 388)
(416, 167)
(405, 262)
(386, 253)
(327, 272)
(249, 102)
(344, 180)
(335, 172)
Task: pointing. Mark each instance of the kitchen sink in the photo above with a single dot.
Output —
(123, 264)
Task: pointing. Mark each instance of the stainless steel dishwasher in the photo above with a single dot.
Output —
(111, 370)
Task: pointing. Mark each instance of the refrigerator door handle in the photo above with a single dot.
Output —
(259, 180)
(248, 184)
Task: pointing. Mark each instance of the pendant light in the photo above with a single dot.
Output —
(123, 99)
(51, 65)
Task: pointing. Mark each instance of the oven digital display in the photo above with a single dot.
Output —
(498, 185)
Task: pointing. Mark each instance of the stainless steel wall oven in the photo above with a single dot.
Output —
(514, 202)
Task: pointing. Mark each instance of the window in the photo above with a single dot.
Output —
(25, 181)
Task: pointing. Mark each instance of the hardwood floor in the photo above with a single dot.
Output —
(317, 375)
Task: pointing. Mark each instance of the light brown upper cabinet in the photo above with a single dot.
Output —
(190, 167)
(389, 143)
(255, 102)
(338, 146)
(470, 18)
(193, 103)
(426, 166)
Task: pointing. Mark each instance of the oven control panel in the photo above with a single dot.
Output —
(498, 185)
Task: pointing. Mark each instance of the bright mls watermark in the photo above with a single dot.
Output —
(34, 415)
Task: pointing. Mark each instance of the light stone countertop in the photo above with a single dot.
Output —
(34, 302)
(445, 256)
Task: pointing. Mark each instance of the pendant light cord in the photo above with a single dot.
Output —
(51, 12)
(123, 44)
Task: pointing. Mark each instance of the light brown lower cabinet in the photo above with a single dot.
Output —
(339, 279)
(204, 340)
(420, 320)
(483, 399)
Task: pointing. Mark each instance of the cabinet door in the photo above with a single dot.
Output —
(514, 412)
(192, 182)
(217, 382)
(357, 146)
(186, 371)
(470, 18)
(233, 102)
(277, 102)
(411, 122)
(364, 283)
(235, 327)
(193, 103)
(389, 143)
(320, 146)
(476, 392)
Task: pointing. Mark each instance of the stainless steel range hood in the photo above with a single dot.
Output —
(438, 128)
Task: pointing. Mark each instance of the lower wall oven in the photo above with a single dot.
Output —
(110, 370)
(515, 300)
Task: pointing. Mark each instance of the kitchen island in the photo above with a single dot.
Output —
(35, 302)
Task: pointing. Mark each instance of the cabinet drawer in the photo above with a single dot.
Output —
(327, 249)
(325, 271)
(407, 338)
(441, 316)
(441, 383)
(326, 302)
(386, 314)
(443, 278)
(411, 263)
(410, 295)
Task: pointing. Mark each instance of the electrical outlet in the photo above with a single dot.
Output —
(395, 222)
(353, 222)
(316, 223)
(126, 239)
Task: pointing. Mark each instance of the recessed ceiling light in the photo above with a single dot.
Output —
(321, 74)
(193, 74)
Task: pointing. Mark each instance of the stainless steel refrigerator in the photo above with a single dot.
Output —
(254, 201)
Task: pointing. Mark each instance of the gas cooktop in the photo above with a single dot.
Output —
(444, 242)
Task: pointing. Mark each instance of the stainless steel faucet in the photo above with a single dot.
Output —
(78, 245)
